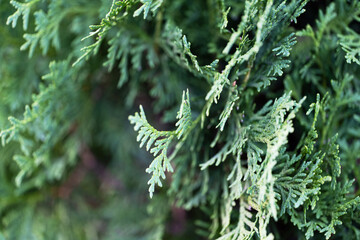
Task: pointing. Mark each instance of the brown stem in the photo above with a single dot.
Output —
(247, 76)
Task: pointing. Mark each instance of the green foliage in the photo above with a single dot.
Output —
(21, 9)
(270, 139)
(161, 140)
(148, 5)
(350, 44)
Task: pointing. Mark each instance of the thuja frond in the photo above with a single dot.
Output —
(158, 142)
(249, 11)
(184, 116)
(119, 50)
(297, 186)
(312, 135)
(218, 157)
(222, 79)
(45, 123)
(216, 89)
(47, 31)
(330, 207)
(266, 129)
(285, 46)
(245, 227)
(350, 39)
(177, 47)
(322, 24)
(233, 147)
(147, 6)
(350, 43)
(276, 132)
(271, 125)
(118, 11)
(161, 140)
(22, 9)
(230, 103)
(224, 14)
(47, 23)
(126, 48)
(282, 51)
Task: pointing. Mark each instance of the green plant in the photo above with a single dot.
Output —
(249, 115)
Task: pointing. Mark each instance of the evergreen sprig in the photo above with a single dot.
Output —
(44, 124)
(147, 6)
(118, 11)
(22, 9)
(158, 142)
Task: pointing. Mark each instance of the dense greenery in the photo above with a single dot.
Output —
(247, 114)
